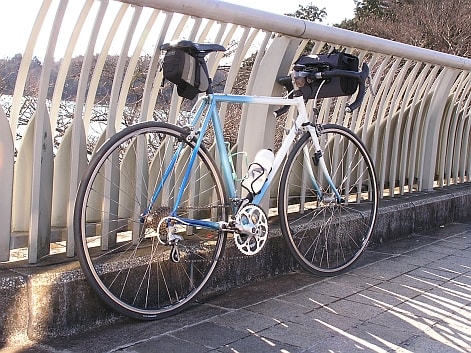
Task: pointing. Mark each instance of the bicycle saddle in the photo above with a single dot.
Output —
(192, 46)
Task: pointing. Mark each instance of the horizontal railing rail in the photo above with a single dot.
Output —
(415, 119)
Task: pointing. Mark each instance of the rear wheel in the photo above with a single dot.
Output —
(121, 235)
(327, 233)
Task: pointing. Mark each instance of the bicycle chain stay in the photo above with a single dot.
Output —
(249, 228)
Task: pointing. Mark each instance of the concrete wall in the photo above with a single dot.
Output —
(53, 299)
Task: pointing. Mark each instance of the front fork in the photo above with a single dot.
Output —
(315, 131)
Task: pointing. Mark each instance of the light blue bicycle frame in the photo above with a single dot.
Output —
(206, 113)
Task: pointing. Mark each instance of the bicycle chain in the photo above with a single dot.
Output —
(202, 207)
(224, 257)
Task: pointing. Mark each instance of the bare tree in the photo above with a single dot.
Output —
(433, 24)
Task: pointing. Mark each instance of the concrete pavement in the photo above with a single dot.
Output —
(412, 295)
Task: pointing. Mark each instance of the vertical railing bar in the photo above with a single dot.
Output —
(406, 114)
(175, 100)
(456, 147)
(417, 131)
(396, 153)
(375, 106)
(180, 27)
(447, 143)
(99, 65)
(206, 31)
(195, 28)
(466, 154)
(215, 58)
(24, 67)
(366, 109)
(235, 67)
(65, 63)
(464, 86)
(465, 148)
(439, 97)
(117, 96)
(243, 120)
(154, 77)
(41, 178)
(111, 191)
(60, 196)
(77, 155)
(258, 59)
(417, 106)
(132, 64)
(387, 111)
(141, 171)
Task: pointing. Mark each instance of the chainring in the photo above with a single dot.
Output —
(252, 225)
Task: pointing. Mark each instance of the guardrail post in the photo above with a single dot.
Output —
(433, 120)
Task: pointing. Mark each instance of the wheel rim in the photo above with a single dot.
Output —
(121, 252)
(327, 236)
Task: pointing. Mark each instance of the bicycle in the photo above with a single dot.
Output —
(153, 211)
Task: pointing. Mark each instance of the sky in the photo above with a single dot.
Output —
(337, 10)
(19, 16)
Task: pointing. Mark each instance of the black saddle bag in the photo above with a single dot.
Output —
(186, 71)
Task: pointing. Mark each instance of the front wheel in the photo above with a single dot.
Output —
(328, 224)
(124, 218)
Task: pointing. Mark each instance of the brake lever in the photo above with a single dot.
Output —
(288, 84)
(364, 75)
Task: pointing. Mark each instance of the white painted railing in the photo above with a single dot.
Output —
(417, 125)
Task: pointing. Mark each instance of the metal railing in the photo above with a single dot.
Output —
(416, 124)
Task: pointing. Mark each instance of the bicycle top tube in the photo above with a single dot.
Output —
(266, 100)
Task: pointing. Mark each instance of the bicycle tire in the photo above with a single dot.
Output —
(121, 253)
(324, 235)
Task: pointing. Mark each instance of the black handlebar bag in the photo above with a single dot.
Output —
(186, 71)
(308, 65)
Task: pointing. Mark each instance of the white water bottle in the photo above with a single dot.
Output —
(258, 171)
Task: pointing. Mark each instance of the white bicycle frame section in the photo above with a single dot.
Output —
(206, 112)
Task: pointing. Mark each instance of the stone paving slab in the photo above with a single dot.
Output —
(410, 296)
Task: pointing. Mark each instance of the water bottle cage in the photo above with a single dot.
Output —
(316, 157)
(254, 175)
(258, 171)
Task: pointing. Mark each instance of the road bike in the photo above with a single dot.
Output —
(158, 200)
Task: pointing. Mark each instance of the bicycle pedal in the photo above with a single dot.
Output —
(175, 254)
